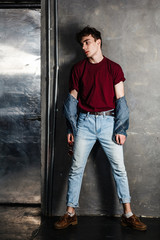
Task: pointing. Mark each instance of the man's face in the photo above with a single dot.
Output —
(90, 46)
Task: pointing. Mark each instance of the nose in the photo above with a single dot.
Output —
(83, 47)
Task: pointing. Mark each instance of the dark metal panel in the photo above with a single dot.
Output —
(20, 106)
(20, 4)
(17, 6)
(20, 1)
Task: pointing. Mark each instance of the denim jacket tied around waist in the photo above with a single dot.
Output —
(121, 124)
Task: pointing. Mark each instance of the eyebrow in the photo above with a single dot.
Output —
(86, 40)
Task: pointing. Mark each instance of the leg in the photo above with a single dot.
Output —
(114, 153)
(84, 141)
(127, 208)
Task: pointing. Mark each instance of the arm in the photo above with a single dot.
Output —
(119, 92)
(74, 93)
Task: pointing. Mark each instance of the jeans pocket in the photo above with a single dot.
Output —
(82, 119)
(109, 118)
(109, 122)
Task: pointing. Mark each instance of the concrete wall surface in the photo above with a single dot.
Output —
(131, 37)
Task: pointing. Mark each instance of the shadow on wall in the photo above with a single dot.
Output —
(98, 169)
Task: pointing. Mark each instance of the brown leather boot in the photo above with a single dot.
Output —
(133, 222)
(65, 221)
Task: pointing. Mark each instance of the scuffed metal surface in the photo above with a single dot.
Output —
(20, 106)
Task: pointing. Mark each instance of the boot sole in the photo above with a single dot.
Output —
(72, 223)
(136, 228)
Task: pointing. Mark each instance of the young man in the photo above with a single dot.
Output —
(96, 85)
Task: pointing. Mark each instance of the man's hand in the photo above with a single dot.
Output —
(70, 138)
(120, 139)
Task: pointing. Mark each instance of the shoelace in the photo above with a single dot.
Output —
(135, 218)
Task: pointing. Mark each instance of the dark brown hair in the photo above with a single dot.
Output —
(88, 31)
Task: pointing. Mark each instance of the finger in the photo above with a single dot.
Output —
(117, 139)
(72, 138)
(122, 139)
(69, 138)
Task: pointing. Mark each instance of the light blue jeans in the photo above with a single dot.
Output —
(90, 129)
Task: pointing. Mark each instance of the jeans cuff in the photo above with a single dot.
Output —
(72, 205)
(125, 200)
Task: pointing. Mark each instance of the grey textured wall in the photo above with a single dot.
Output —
(131, 37)
(19, 106)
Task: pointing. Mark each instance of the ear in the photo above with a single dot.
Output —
(99, 41)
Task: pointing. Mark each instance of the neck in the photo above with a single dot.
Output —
(97, 58)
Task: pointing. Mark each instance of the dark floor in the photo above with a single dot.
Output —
(26, 223)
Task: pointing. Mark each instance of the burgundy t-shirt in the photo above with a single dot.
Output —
(95, 84)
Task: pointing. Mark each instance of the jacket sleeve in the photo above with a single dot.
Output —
(69, 127)
(70, 113)
(121, 118)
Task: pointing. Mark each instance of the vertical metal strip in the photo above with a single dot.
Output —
(52, 93)
(48, 103)
(54, 110)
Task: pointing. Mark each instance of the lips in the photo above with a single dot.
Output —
(86, 52)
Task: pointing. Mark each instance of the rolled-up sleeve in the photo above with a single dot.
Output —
(74, 80)
(118, 74)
